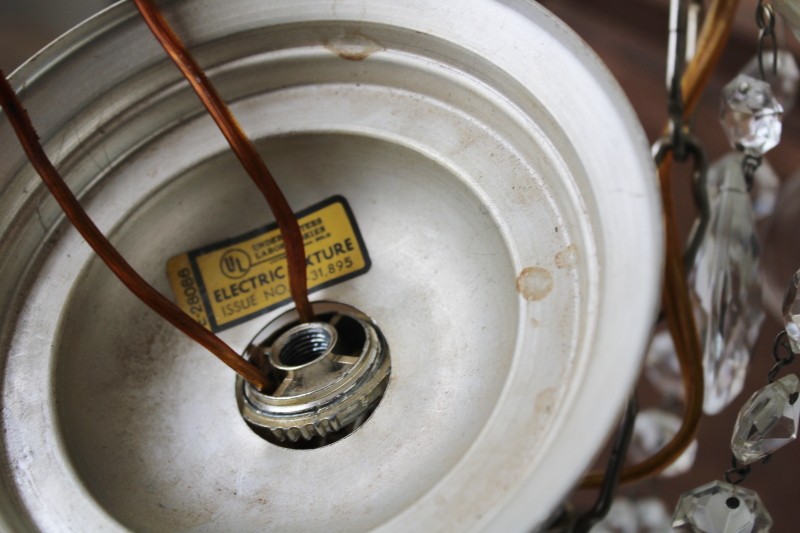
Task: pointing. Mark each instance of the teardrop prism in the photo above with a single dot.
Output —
(725, 283)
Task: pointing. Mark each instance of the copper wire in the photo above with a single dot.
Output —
(676, 302)
(244, 149)
(29, 140)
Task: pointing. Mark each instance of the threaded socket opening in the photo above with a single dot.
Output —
(304, 346)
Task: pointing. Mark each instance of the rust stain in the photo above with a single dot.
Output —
(568, 257)
(353, 45)
(534, 323)
(534, 283)
(545, 401)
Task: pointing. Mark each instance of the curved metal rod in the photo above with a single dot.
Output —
(615, 463)
(677, 305)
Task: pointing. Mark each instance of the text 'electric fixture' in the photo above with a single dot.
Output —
(471, 184)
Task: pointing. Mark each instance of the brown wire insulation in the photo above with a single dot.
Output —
(675, 300)
(244, 150)
(23, 127)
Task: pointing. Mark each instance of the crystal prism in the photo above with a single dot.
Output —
(750, 115)
(719, 507)
(652, 431)
(766, 183)
(718, 171)
(791, 313)
(661, 366)
(725, 283)
(784, 84)
(768, 421)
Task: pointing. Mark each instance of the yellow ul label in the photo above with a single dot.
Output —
(230, 282)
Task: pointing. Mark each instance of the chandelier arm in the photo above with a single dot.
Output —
(244, 149)
(676, 302)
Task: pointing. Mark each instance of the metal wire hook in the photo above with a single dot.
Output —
(750, 164)
(741, 471)
(765, 19)
(780, 362)
(616, 461)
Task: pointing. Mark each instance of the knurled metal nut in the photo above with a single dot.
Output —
(331, 371)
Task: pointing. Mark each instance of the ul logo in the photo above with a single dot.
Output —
(234, 263)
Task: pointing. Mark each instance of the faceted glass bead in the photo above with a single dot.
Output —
(784, 84)
(768, 421)
(661, 366)
(750, 115)
(791, 312)
(652, 431)
(725, 283)
(720, 507)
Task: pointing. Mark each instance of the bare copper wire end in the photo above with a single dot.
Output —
(677, 305)
(23, 127)
(244, 150)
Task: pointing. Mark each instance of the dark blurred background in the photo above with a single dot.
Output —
(631, 38)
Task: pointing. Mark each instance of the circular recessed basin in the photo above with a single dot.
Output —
(504, 193)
